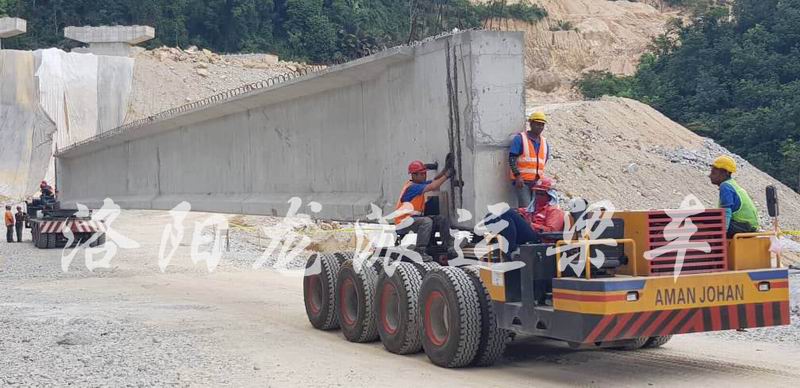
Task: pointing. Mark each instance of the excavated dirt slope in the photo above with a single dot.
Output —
(604, 35)
(170, 77)
(629, 153)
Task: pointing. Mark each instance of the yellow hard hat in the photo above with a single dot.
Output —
(538, 117)
(725, 163)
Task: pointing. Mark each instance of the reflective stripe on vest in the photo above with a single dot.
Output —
(531, 166)
(407, 209)
(747, 212)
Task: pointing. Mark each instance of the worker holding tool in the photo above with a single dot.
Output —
(528, 157)
(741, 215)
(411, 204)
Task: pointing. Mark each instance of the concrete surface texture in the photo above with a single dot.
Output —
(110, 40)
(51, 98)
(10, 27)
(25, 130)
(342, 137)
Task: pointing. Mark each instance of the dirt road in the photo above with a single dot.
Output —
(133, 325)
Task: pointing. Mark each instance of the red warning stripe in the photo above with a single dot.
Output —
(780, 284)
(639, 322)
(589, 298)
(733, 317)
(620, 323)
(648, 331)
(670, 326)
(716, 320)
(599, 328)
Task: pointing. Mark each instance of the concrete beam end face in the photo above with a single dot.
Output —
(10, 27)
(131, 35)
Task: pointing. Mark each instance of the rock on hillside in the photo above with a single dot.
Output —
(167, 77)
(583, 35)
(627, 152)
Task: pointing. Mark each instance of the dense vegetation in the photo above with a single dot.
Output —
(732, 77)
(316, 30)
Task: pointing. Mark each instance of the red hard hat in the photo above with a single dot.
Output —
(543, 184)
(416, 166)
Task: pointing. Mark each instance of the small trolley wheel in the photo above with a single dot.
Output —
(450, 316)
(319, 290)
(355, 299)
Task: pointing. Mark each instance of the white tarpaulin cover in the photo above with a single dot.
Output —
(52, 98)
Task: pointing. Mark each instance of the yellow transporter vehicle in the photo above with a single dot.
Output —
(464, 315)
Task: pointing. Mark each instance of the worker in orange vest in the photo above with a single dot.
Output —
(410, 208)
(9, 218)
(528, 157)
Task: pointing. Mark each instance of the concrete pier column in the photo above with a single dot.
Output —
(110, 40)
(11, 27)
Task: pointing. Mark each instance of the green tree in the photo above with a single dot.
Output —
(735, 79)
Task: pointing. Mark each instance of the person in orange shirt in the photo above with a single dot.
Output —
(543, 213)
(9, 218)
(411, 204)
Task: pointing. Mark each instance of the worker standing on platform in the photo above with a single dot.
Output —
(528, 157)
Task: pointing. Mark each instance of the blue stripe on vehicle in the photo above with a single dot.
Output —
(769, 275)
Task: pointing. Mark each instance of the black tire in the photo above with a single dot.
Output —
(101, 240)
(396, 301)
(657, 342)
(341, 257)
(632, 344)
(427, 266)
(450, 317)
(50, 239)
(41, 241)
(493, 339)
(355, 300)
(319, 292)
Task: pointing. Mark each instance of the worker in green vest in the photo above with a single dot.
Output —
(741, 215)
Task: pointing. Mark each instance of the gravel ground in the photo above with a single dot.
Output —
(132, 325)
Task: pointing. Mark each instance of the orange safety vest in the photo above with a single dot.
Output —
(531, 167)
(407, 209)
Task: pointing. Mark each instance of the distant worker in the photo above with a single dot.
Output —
(411, 203)
(47, 196)
(19, 218)
(45, 189)
(528, 157)
(543, 213)
(9, 218)
(741, 215)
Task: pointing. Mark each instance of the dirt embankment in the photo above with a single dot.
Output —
(627, 152)
(166, 78)
(583, 35)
